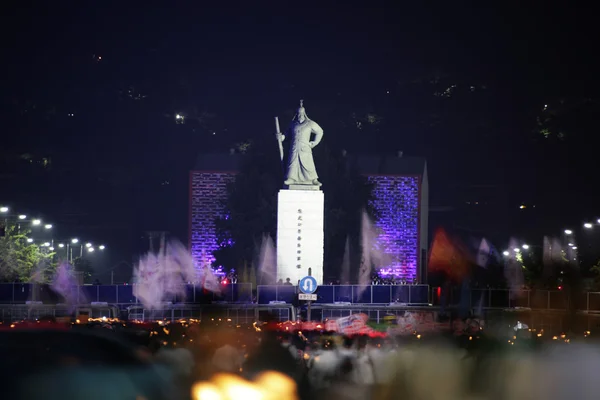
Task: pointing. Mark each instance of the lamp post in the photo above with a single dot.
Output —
(21, 218)
(68, 245)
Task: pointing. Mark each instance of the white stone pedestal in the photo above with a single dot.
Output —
(300, 237)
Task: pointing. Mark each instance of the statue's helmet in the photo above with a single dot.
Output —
(301, 111)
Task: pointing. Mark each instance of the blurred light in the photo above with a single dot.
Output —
(587, 225)
(61, 245)
(29, 240)
(46, 244)
(178, 116)
(571, 245)
(506, 253)
(51, 248)
(560, 288)
(3, 209)
(48, 226)
(574, 247)
(90, 249)
(206, 391)
(102, 247)
(517, 250)
(568, 231)
(36, 222)
(88, 245)
(224, 282)
(598, 221)
(522, 206)
(525, 246)
(74, 240)
(234, 387)
(22, 216)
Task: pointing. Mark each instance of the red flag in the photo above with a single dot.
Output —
(448, 255)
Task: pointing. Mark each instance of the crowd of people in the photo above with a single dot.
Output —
(317, 362)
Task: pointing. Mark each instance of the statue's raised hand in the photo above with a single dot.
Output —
(280, 137)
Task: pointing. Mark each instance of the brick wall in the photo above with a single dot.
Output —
(207, 191)
(397, 203)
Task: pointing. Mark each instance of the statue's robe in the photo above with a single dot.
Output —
(301, 166)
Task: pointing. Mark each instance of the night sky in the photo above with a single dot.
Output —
(490, 96)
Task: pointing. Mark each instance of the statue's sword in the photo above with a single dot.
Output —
(279, 141)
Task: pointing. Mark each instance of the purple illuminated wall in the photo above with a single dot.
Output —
(207, 191)
(397, 205)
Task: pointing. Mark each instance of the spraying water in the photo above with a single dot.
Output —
(367, 239)
(160, 276)
(65, 283)
(483, 253)
(372, 256)
(345, 278)
(207, 278)
(267, 261)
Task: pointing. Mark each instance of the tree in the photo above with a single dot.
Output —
(533, 269)
(251, 206)
(595, 271)
(23, 261)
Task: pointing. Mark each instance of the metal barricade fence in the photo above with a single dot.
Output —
(231, 314)
(355, 294)
(20, 293)
(534, 299)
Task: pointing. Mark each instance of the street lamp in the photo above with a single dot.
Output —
(525, 246)
(46, 244)
(102, 247)
(574, 247)
(3, 209)
(48, 226)
(74, 240)
(568, 232)
(51, 248)
(587, 225)
(88, 245)
(29, 240)
(36, 222)
(61, 245)
(90, 249)
(506, 253)
(22, 216)
(517, 250)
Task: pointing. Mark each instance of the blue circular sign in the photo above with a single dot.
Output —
(308, 285)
